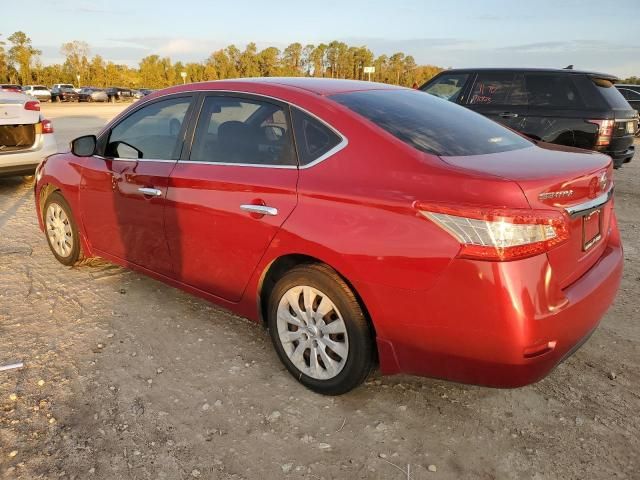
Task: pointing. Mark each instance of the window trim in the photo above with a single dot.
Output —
(198, 101)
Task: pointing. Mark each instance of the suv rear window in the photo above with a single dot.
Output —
(610, 93)
(552, 90)
(430, 124)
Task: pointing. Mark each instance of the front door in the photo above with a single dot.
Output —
(123, 191)
(232, 193)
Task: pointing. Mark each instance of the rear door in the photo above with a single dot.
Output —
(500, 96)
(230, 194)
(556, 109)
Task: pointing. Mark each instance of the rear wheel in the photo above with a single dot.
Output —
(319, 330)
(61, 229)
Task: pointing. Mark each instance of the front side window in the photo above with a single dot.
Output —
(492, 88)
(152, 132)
(234, 130)
(313, 138)
(448, 86)
(430, 124)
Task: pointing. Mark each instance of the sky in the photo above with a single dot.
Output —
(590, 34)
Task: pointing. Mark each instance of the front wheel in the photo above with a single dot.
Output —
(319, 330)
(61, 230)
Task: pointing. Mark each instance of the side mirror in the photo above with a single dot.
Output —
(84, 146)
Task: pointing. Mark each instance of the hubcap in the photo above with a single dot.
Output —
(59, 230)
(312, 332)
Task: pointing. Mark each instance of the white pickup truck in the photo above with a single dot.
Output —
(26, 138)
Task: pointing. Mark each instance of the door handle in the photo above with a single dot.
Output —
(508, 115)
(259, 209)
(153, 192)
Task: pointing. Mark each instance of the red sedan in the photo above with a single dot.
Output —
(362, 223)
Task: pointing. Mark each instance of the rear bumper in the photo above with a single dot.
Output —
(25, 162)
(495, 324)
(622, 157)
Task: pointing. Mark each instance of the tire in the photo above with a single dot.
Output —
(341, 339)
(60, 224)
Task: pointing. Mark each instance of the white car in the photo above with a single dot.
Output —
(26, 138)
(40, 92)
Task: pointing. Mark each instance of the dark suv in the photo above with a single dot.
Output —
(631, 94)
(567, 107)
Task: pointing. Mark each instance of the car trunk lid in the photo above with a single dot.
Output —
(552, 177)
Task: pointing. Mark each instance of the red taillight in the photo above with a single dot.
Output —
(499, 234)
(605, 131)
(47, 126)
(32, 105)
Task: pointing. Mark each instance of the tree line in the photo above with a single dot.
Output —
(20, 63)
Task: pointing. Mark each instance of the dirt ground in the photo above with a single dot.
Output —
(126, 378)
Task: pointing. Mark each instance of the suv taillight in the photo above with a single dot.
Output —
(33, 105)
(605, 131)
(498, 234)
(47, 126)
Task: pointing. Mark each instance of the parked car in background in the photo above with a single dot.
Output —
(26, 138)
(145, 91)
(566, 107)
(118, 94)
(40, 92)
(64, 93)
(474, 254)
(93, 95)
(10, 87)
(631, 94)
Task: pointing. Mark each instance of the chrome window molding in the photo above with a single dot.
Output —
(583, 209)
(340, 146)
(230, 164)
(136, 159)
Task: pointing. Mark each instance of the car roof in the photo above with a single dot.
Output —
(537, 70)
(628, 85)
(319, 86)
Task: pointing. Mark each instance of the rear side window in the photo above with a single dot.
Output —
(430, 124)
(498, 88)
(313, 138)
(610, 93)
(554, 91)
(448, 86)
(244, 131)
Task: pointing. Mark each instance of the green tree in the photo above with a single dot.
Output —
(152, 72)
(269, 62)
(97, 72)
(292, 60)
(22, 54)
(318, 59)
(76, 53)
(4, 67)
(248, 65)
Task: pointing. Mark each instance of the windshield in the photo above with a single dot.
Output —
(430, 124)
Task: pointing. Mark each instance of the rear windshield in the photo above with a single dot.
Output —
(430, 124)
(611, 94)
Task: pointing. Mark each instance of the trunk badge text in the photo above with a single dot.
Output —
(558, 194)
